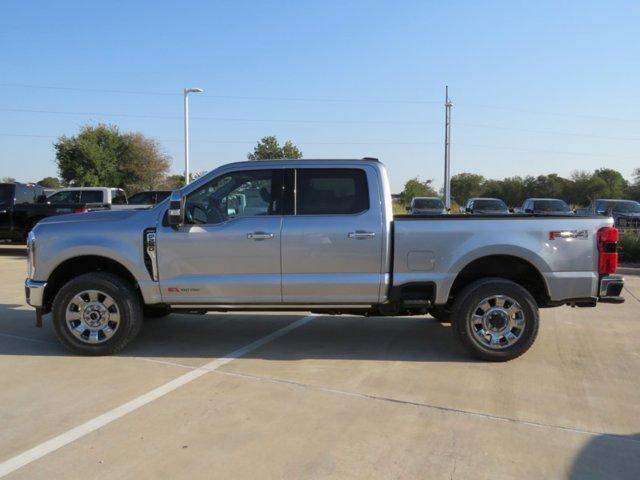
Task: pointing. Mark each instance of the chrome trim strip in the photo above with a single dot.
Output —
(150, 250)
(34, 292)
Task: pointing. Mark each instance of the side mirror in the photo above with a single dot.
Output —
(468, 210)
(408, 208)
(528, 210)
(175, 214)
(41, 199)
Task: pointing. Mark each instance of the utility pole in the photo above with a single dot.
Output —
(447, 150)
(186, 92)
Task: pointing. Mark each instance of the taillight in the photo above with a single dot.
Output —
(80, 210)
(607, 250)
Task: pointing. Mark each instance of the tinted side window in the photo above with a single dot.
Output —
(91, 196)
(118, 197)
(331, 191)
(246, 193)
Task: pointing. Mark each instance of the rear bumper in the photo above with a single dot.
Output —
(610, 289)
(34, 292)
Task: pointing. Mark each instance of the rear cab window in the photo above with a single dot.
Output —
(324, 191)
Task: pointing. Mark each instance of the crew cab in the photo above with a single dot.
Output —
(315, 235)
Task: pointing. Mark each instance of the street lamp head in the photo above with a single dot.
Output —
(193, 90)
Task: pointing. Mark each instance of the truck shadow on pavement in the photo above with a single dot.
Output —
(412, 339)
(17, 251)
(610, 457)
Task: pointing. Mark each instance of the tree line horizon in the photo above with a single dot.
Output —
(103, 155)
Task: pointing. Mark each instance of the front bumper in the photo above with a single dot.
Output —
(34, 292)
(610, 289)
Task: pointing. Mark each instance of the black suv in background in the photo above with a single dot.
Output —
(24, 205)
(15, 198)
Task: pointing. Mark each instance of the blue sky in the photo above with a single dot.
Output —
(538, 87)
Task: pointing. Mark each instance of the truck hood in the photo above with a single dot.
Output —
(98, 216)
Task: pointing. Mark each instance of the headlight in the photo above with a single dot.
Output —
(31, 254)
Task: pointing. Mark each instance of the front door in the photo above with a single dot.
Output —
(228, 250)
(332, 245)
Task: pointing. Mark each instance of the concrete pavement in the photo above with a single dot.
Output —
(337, 397)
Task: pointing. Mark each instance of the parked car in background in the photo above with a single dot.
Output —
(427, 206)
(545, 206)
(486, 206)
(150, 197)
(316, 235)
(625, 213)
(24, 205)
(96, 195)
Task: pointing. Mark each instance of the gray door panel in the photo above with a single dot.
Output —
(234, 262)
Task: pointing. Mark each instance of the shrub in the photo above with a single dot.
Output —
(629, 247)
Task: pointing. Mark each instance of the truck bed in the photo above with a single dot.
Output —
(429, 248)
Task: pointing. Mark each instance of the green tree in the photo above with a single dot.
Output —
(465, 186)
(50, 182)
(616, 184)
(104, 156)
(633, 190)
(269, 148)
(417, 188)
(585, 187)
(7, 180)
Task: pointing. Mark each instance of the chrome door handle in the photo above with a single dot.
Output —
(360, 235)
(259, 236)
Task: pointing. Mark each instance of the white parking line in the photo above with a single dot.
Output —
(75, 433)
(27, 339)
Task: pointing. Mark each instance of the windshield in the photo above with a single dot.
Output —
(550, 206)
(6, 194)
(493, 205)
(432, 203)
(624, 207)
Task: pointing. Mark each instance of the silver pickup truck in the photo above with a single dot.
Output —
(313, 235)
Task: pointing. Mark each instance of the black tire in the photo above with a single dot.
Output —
(126, 299)
(441, 313)
(467, 303)
(150, 311)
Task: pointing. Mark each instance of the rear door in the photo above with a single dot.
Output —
(228, 250)
(332, 244)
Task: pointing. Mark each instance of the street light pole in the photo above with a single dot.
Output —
(187, 91)
(447, 150)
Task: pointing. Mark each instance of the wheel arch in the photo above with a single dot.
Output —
(508, 266)
(75, 266)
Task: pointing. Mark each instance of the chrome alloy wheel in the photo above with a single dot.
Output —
(497, 322)
(92, 316)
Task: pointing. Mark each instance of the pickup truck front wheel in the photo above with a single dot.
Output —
(96, 314)
(496, 319)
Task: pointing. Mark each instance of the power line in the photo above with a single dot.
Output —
(223, 119)
(228, 97)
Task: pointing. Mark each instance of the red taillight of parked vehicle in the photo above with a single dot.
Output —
(607, 250)
(80, 210)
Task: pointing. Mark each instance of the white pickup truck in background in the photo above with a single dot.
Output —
(314, 235)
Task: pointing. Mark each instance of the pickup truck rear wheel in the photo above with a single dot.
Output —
(495, 319)
(96, 314)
